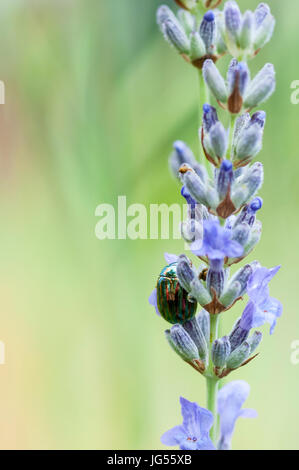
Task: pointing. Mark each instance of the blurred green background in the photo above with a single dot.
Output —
(94, 100)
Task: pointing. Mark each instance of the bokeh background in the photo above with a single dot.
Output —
(94, 100)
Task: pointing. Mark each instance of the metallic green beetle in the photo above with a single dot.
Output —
(172, 299)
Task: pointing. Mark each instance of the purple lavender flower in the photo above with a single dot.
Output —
(266, 309)
(193, 434)
(230, 401)
(217, 242)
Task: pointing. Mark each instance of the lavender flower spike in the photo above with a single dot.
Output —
(230, 401)
(193, 434)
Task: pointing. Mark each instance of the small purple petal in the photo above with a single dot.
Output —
(174, 436)
(230, 401)
(170, 258)
(153, 301)
(266, 308)
(248, 413)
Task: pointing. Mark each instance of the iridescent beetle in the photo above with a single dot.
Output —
(172, 299)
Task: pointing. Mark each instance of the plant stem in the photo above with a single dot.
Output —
(212, 390)
(212, 381)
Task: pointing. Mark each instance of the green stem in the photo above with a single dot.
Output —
(212, 380)
(212, 390)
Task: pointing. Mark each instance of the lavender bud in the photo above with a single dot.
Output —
(185, 272)
(181, 154)
(241, 234)
(220, 352)
(215, 282)
(176, 35)
(241, 123)
(254, 341)
(248, 185)
(181, 343)
(238, 356)
(233, 18)
(203, 319)
(260, 14)
(247, 30)
(187, 20)
(248, 213)
(255, 180)
(200, 293)
(265, 24)
(207, 31)
(214, 81)
(250, 142)
(237, 77)
(194, 184)
(218, 140)
(255, 237)
(210, 117)
(197, 46)
(225, 178)
(193, 329)
(164, 13)
(259, 117)
(261, 87)
(242, 276)
(220, 33)
(230, 294)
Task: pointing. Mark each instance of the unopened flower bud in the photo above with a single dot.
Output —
(193, 329)
(221, 350)
(233, 18)
(238, 78)
(250, 143)
(164, 13)
(242, 276)
(187, 20)
(182, 344)
(215, 277)
(185, 273)
(249, 184)
(241, 234)
(194, 184)
(254, 341)
(214, 81)
(255, 237)
(248, 213)
(181, 154)
(241, 329)
(210, 117)
(200, 293)
(207, 31)
(218, 140)
(247, 30)
(259, 117)
(225, 178)
(197, 46)
(238, 356)
(230, 294)
(261, 87)
(176, 35)
(203, 320)
(265, 24)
